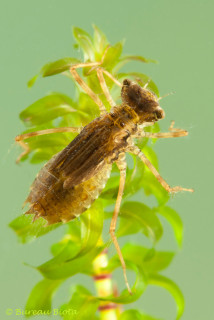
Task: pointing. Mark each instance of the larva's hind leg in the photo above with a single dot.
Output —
(19, 139)
(135, 150)
(121, 163)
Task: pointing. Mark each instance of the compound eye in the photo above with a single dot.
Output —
(126, 82)
(160, 113)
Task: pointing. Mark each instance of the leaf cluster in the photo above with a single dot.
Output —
(82, 242)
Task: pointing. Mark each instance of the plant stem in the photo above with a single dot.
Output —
(104, 287)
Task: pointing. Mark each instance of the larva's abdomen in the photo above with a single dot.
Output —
(54, 203)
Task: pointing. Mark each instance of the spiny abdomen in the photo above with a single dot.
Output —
(48, 198)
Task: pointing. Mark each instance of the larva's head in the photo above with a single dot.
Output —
(144, 102)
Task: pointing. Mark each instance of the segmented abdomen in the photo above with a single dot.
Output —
(54, 203)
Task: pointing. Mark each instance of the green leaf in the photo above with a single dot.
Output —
(151, 155)
(46, 146)
(59, 268)
(175, 221)
(47, 108)
(173, 289)
(136, 315)
(58, 66)
(136, 212)
(160, 260)
(143, 79)
(32, 81)
(43, 155)
(130, 315)
(134, 177)
(137, 58)
(112, 56)
(81, 306)
(137, 289)
(41, 296)
(127, 227)
(72, 237)
(71, 259)
(26, 230)
(153, 187)
(150, 260)
(53, 68)
(85, 42)
(88, 106)
(100, 42)
(135, 253)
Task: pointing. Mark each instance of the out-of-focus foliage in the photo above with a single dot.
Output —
(81, 243)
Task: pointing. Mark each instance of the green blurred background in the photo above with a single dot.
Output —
(179, 34)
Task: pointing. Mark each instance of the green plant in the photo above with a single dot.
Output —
(82, 249)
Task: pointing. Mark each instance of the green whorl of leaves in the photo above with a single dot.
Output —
(80, 245)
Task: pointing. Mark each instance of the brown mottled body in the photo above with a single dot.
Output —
(53, 202)
(69, 183)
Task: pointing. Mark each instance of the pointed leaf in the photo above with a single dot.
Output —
(135, 253)
(136, 315)
(73, 236)
(150, 260)
(144, 216)
(127, 227)
(130, 315)
(74, 259)
(112, 56)
(85, 42)
(135, 178)
(60, 268)
(137, 289)
(58, 66)
(100, 42)
(169, 285)
(32, 81)
(53, 68)
(160, 260)
(174, 219)
(41, 297)
(27, 230)
(47, 108)
(137, 58)
(81, 306)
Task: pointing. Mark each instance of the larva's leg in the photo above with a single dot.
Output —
(122, 167)
(173, 134)
(135, 150)
(26, 148)
(112, 78)
(104, 87)
(84, 86)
